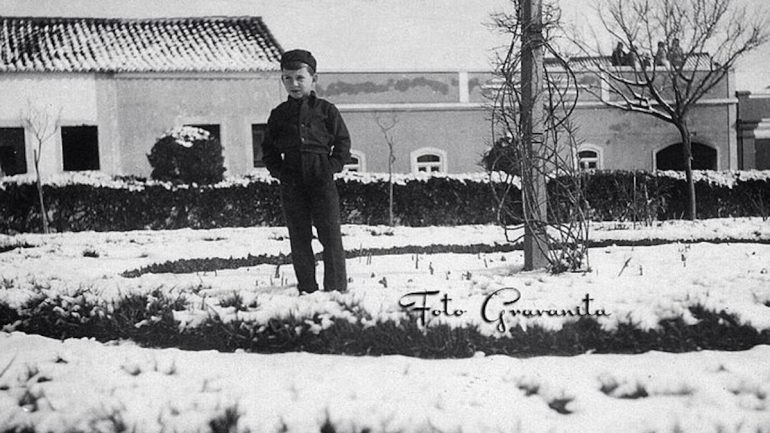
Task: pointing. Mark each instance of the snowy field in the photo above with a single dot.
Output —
(84, 385)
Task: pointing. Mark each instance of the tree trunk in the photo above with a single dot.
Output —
(391, 159)
(684, 131)
(390, 197)
(43, 213)
(532, 105)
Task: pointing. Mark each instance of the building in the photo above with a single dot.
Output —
(120, 83)
(754, 130)
(616, 139)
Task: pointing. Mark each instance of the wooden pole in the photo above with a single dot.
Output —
(533, 104)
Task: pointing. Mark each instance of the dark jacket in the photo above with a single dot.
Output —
(307, 125)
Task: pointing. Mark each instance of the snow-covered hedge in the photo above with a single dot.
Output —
(101, 203)
(662, 195)
(94, 201)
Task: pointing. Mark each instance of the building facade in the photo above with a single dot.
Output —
(117, 85)
(445, 118)
(112, 87)
(754, 130)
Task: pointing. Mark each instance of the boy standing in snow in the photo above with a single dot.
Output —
(305, 143)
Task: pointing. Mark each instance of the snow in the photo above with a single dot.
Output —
(185, 136)
(721, 264)
(174, 390)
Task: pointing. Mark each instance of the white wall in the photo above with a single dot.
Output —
(74, 95)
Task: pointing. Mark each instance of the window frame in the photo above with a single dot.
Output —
(64, 142)
(19, 150)
(256, 148)
(205, 125)
(442, 162)
(361, 166)
(599, 158)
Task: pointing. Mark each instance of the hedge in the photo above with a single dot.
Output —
(148, 320)
(97, 202)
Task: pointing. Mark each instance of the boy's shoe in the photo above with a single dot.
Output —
(336, 290)
(307, 292)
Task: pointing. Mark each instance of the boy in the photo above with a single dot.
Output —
(305, 143)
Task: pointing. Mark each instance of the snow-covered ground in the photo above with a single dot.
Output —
(172, 390)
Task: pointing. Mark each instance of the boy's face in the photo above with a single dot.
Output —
(298, 82)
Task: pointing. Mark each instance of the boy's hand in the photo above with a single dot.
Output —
(335, 164)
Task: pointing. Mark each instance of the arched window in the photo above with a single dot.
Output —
(357, 162)
(589, 158)
(429, 160)
(672, 157)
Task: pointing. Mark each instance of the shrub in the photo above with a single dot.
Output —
(148, 319)
(78, 202)
(504, 155)
(187, 155)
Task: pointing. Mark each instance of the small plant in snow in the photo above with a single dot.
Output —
(114, 422)
(90, 252)
(560, 405)
(227, 422)
(235, 300)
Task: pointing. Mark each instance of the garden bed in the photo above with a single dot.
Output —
(351, 361)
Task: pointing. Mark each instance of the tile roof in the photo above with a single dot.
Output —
(213, 44)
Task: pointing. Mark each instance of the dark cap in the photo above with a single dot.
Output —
(291, 58)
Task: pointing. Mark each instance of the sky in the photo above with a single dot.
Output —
(368, 34)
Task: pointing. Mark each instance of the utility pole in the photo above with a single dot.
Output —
(532, 110)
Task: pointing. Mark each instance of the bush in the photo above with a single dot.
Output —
(504, 155)
(187, 155)
(101, 203)
(148, 319)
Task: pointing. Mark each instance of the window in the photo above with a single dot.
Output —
(13, 157)
(428, 160)
(213, 129)
(357, 162)
(589, 158)
(80, 147)
(257, 137)
(672, 157)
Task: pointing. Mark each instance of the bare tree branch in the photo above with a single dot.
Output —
(42, 124)
(708, 37)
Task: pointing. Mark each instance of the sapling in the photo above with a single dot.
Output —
(43, 125)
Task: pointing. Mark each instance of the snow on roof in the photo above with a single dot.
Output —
(210, 44)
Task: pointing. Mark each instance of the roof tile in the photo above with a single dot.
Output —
(53, 44)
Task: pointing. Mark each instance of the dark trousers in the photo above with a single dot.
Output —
(309, 198)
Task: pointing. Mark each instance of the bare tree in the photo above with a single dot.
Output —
(560, 224)
(386, 128)
(42, 124)
(678, 51)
